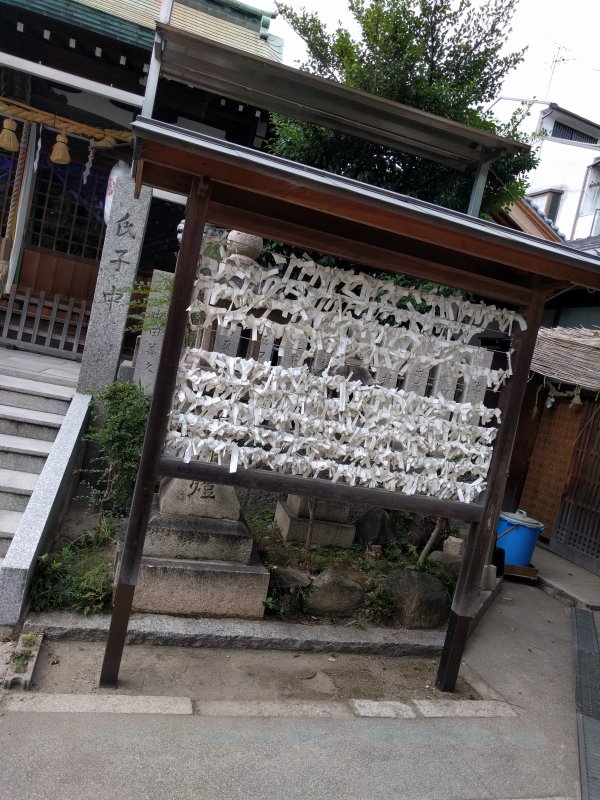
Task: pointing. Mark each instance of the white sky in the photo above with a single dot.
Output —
(543, 25)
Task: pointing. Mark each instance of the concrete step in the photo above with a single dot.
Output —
(36, 402)
(38, 395)
(15, 489)
(29, 423)
(9, 522)
(23, 454)
(201, 588)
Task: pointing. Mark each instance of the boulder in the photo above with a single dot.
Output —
(448, 560)
(423, 600)
(375, 527)
(333, 594)
(288, 578)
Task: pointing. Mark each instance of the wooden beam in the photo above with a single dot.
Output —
(341, 493)
(156, 429)
(482, 536)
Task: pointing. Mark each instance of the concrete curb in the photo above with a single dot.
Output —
(334, 709)
(565, 597)
(237, 634)
(97, 703)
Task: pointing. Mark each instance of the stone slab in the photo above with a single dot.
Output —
(329, 512)
(201, 588)
(390, 709)
(272, 709)
(197, 538)
(464, 708)
(198, 499)
(295, 529)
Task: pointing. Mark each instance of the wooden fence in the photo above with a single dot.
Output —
(43, 323)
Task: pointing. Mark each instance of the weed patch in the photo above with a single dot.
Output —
(78, 577)
(20, 659)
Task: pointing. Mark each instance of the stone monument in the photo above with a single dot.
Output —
(118, 267)
(330, 525)
(198, 556)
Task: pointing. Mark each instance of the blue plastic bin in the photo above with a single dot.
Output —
(517, 535)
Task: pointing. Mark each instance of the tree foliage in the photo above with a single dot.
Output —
(442, 56)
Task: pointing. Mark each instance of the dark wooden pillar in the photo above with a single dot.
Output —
(483, 534)
(156, 429)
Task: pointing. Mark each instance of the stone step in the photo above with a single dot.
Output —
(37, 395)
(22, 453)
(29, 423)
(295, 529)
(201, 588)
(15, 489)
(197, 538)
(34, 402)
(9, 522)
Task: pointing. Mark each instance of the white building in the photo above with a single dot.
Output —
(566, 185)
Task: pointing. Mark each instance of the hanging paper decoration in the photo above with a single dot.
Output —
(88, 164)
(338, 422)
(38, 149)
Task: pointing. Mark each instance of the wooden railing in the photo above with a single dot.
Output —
(43, 323)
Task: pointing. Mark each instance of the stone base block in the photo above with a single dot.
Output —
(328, 512)
(196, 538)
(295, 528)
(201, 588)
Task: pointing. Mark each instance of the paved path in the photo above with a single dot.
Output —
(522, 648)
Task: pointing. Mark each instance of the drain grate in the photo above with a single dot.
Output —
(587, 697)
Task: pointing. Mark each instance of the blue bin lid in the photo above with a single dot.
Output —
(520, 517)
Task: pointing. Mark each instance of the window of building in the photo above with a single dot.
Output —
(591, 194)
(66, 212)
(548, 203)
(562, 131)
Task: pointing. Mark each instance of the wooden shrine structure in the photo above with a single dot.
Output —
(236, 187)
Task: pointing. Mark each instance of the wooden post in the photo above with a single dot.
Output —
(156, 429)
(483, 534)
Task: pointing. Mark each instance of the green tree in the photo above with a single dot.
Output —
(442, 56)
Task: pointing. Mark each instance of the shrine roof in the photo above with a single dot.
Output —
(318, 210)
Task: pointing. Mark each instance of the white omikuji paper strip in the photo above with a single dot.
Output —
(246, 414)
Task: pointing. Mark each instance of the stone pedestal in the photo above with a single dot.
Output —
(201, 588)
(330, 524)
(198, 555)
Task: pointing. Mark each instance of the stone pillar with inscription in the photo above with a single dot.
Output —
(118, 268)
(198, 555)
